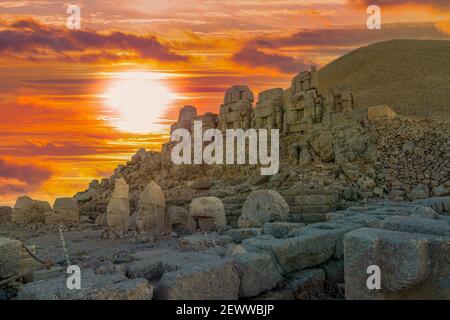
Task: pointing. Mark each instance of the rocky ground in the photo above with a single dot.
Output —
(280, 260)
(357, 189)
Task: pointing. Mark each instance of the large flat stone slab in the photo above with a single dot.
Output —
(412, 265)
(216, 279)
(93, 287)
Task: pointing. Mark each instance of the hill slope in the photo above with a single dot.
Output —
(412, 76)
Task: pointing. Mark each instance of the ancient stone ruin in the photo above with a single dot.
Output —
(354, 185)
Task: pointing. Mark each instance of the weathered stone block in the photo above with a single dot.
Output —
(210, 213)
(118, 210)
(416, 225)
(307, 284)
(9, 257)
(258, 273)
(216, 279)
(151, 210)
(27, 210)
(93, 287)
(413, 266)
(5, 214)
(281, 229)
(179, 220)
(65, 210)
(297, 253)
(263, 206)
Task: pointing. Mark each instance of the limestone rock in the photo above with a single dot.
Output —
(151, 210)
(65, 210)
(307, 284)
(179, 219)
(258, 273)
(9, 257)
(93, 287)
(421, 191)
(212, 280)
(296, 253)
(27, 210)
(263, 206)
(204, 241)
(118, 210)
(413, 266)
(380, 112)
(238, 235)
(202, 185)
(5, 214)
(416, 225)
(442, 190)
(209, 212)
(281, 229)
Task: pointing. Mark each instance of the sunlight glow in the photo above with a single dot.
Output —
(139, 100)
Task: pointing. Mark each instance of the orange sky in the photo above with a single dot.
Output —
(57, 130)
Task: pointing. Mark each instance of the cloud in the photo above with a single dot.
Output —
(21, 177)
(28, 36)
(351, 36)
(336, 41)
(440, 4)
(253, 57)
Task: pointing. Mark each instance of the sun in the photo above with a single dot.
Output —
(138, 99)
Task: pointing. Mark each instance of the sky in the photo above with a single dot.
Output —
(76, 103)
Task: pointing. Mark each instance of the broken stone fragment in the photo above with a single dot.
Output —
(9, 257)
(412, 265)
(93, 287)
(5, 214)
(151, 210)
(118, 210)
(421, 191)
(263, 206)
(65, 210)
(209, 212)
(258, 273)
(27, 210)
(307, 284)
(212, 280)
(179, 220)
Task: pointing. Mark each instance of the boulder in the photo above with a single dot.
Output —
(415, 224)
(151, 210)
(9, 257)
(380, 112)
(202, 185)
(412, 265)
(209, 212)
(215, 279)
(65, 210)
(296, 253)
(179, 220)
(421, 191)
(258, 273)
(263, 206)
(204, 241)
(27, 210)
(5, 214)
(442, 190)
(118, 210)
(93, 287)
(307, 284)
